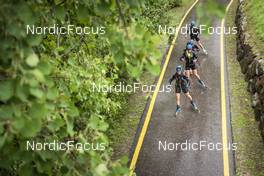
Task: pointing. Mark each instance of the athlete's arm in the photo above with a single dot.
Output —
(196, 47)
(182, 58)
(172, 78)
(188, 30)
(195, 58)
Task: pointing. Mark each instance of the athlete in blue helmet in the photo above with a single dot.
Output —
(190, 59)
(181, 85)
(194, 32)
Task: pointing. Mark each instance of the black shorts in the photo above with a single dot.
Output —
(195, 37)
(180, 89)
(190, 67)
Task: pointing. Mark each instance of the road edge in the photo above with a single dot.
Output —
(224, 102)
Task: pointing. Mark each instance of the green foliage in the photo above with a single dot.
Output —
(46, 82)
(154, 13)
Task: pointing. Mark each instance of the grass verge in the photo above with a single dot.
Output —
(249, 156)
(124, 130)
(254, 11)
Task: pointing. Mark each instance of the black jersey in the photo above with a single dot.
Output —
(193, 31)
(189, 57)
(180, 80)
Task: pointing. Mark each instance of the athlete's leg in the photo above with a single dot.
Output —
(178, 99)
(201, 45)
(187, 94)
(178, 107)
(187, 73)
(198, 77)
(195, 72)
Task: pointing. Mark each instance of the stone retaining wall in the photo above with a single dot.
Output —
(252, 65)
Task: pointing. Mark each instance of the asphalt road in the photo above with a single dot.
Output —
(188, 126)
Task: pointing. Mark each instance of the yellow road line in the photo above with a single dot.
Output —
(223, 97)
(150, 109)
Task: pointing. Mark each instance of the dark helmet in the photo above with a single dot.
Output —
(189, 47)
(179, 69)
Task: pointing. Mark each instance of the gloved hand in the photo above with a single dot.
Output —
(182, 59)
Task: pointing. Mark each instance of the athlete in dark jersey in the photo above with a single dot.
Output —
(194, 32)
(190, 59)
(181, 85)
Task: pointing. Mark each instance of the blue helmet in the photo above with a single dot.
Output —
(190, 42)
(189, 46)
(179, 69)
(192, 23)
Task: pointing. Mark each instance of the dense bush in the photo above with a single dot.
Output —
(46, 80)
(154, 12)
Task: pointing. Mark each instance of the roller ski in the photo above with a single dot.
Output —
(205, 52)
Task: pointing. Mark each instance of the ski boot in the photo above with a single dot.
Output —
(202, 83)
(194, 106)
(178, 110)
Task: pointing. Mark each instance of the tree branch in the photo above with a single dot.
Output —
(122, 16)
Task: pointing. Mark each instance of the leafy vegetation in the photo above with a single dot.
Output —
(155, 13)
(46, 80)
